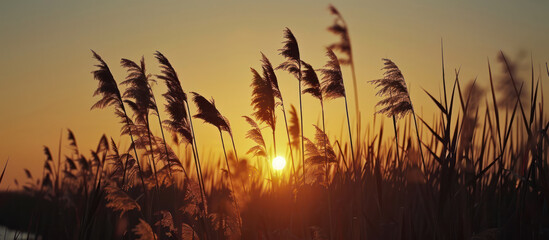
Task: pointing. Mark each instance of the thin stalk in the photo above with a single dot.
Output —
(289, 141)
(443, 74)
(234, 148)
(273, 179)
(342, 156)
(152, 152)
(169, 163)
(202, 193)
(236, 156)
(198, 171)
(352, 68)
(350, 136)
(419, 142)
(301, 120)
(274, 142)
(325, 152)
(197, 156)
(137, 160)
(354, 80)
(230, 177)
(292, 157)
(200, 184)
(135, 152)
(166, 148)
(327, 171)
(396, 141)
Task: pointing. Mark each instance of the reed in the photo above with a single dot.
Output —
(484, 174)
(292, 65)
(333, 87)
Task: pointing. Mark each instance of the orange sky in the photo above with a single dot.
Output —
(46, 85)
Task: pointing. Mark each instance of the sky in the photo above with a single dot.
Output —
(46, 86)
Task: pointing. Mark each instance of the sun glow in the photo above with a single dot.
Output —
(279, 163)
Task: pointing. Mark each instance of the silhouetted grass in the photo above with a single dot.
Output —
(484, 174)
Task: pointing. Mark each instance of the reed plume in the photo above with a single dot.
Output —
(292, 65)
(396, 102)
(313, 87)
(108, 89)
(319, 155)
(138, 93)
(179, 119)
(207, 111)
(260, 149)
(392, 87)
(139, 97)
(263, 97)
(263, 100)
(119, 201)
(144, 231)
(120, 167)
(509, 78)
(270, 75)
(311, 82)
(471, 105)
(176, 99)
(295, 130)
(339, 28)
(332, 87)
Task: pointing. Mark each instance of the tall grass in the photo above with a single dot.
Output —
(484, 174)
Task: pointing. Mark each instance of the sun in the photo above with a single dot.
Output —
(279, 163)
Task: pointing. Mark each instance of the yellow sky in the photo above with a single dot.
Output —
(45, 59)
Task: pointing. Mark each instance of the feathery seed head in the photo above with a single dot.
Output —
(310, 79)
(393, 87)
(332, 78)
(290, 51)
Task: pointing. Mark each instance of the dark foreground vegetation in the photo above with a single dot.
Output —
(477, 169)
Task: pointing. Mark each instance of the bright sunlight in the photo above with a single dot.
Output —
(279, 163)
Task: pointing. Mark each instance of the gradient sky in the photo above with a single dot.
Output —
(45, 61)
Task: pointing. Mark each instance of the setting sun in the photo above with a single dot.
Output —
(279, 163)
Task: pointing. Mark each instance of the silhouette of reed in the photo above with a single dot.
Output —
(140, 98)
(111, 96)
(340, 29)
(260, 149)
(313, 87)
(292, 65)
(295, 130)
(397, 101)
(263, 101)
(269, 74)
(180, 121)
(208, 112)
(484, 174)
(333, 87)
